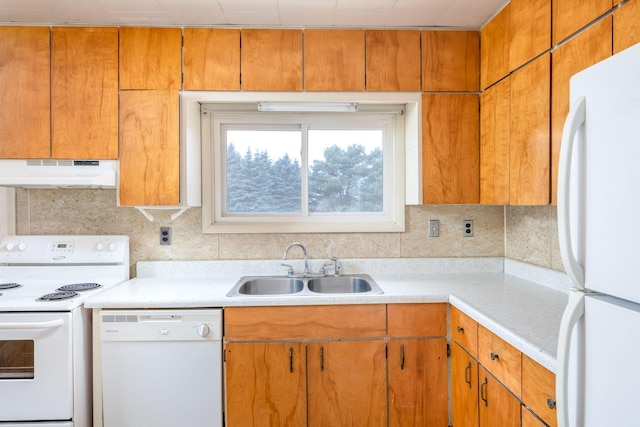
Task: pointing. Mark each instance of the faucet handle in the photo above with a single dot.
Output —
(289, 268)
(337, 267)
(323, 269)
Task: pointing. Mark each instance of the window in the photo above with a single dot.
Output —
(302, 172)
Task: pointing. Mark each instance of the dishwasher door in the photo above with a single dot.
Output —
(161, 368)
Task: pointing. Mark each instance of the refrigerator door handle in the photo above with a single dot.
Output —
(575, 119)
(571, 316)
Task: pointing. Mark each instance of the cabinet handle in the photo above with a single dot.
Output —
(402, 356)
(551, 403)
(321, 358)
(467, 374)
(290, 359)
(483, 392)
(461, 329)
(494, 356)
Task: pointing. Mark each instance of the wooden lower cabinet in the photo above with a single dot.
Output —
(498, 406)
(418, 382)
(347, 383)
(266, 384)
(464, 388)
(530, 420)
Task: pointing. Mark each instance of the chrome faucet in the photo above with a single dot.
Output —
(335, 263)
(304, 251)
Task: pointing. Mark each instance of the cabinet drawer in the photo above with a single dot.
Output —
(539, 390)
(305, 322)
(464, 330)
(501, 359)
(417, 320)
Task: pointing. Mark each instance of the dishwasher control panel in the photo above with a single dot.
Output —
(161, 325)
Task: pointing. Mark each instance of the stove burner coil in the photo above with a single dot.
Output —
(79, 287)
(9, 285)
(57, 296)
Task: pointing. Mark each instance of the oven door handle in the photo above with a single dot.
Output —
(32, 325)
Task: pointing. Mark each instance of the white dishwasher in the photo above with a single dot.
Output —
(162, 368)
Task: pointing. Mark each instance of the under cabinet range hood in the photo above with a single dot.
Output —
(51, 173)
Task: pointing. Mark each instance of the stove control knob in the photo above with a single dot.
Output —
(100, 247)
(22, 246)
(203, 330)
(113, 246)
(10, 246)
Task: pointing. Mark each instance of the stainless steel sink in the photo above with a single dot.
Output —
(253, 286)
(270, 286)
(339, 285)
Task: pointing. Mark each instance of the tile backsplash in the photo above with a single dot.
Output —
(530, 234)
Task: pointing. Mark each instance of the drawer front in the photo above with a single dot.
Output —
(464, 330)
(501, 359)
(539, 390)
(417, 320)
(305, 322)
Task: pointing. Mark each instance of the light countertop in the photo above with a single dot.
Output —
(522, 304)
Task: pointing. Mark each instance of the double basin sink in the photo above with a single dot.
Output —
(360, 284)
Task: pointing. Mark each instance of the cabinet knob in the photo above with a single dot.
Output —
(460, 329)
(551, 403)
(494, 356)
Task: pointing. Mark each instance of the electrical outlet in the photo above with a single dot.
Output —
(165, 235)
(467, 228)
(434, 228)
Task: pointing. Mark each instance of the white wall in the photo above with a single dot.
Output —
(7, 211)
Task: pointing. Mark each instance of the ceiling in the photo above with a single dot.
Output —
(253, 13)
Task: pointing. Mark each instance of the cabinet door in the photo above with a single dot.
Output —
(539, 390)
(530, 420)
(464, 388)
(450, 61)
(265, 384)
(347, 383)
(498, 407)
(495, 104)
(84, 93)
(591, 46)
(418, 386)
(25, 90)
(150, 58)
(494, 48)
(393, 60)
(530, 30)
(272, 60)
(149, 148)
(211, 59)
(529, 133)
(334, 60)
(626, 26)
(450, 153)
(568, 16)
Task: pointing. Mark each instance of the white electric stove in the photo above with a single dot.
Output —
(45, 332)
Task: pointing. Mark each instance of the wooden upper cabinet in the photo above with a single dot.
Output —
(626, 26)
(272, 60)
(84, 93)
(494, 48)
(393, 60)
(529, 133)
(334, 60)
(25, 90)
(568, 16)
(530, 30)
(589, 47)
(450, 151)
(150, 58)
(149, 148)
(211, 59)
(495, 105)
(450, 61)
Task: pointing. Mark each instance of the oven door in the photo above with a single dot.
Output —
(36, 382)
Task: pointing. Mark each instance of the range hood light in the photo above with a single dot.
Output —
(306, 107)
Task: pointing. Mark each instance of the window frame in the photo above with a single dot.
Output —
(391, 220)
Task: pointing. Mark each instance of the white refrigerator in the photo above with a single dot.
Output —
(598, 366)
